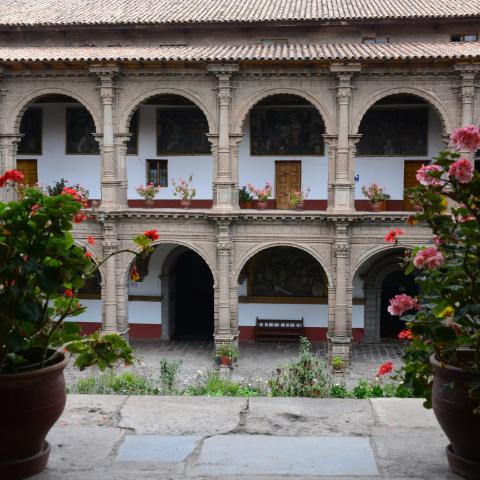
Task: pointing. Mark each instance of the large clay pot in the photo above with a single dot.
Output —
(149, 203)
(299, 206)
(225, 361)
(376, 207)
(185, 203)
(247, 204)
(453, 408)
(30, 403)
(262, 205)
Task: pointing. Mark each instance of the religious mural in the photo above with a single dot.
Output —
(80, 130)
(394, 132)
(182, 131)
(286, 130)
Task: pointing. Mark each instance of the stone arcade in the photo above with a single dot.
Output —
(112, 94)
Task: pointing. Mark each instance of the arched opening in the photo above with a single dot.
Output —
(283, 144)
(376, 281)
(400, 133)
(395, 283)
(283, 283)
(174, 296)
(58, 143)
(193, 298)
(168, 140)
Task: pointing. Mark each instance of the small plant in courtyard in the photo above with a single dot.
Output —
(375, 193)
(213, 385)
(182, 188)
(168, 375)
(338, 363)
(148, 192)
(304, 376)
(226, 353)
(261, 194)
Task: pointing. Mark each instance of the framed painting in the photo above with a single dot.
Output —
(182, 131)
(31, 129)
(285, 273)
(286, 131)
(394, 132)
(132, 145)
(80, 129)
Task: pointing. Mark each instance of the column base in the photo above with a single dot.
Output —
(340, 347)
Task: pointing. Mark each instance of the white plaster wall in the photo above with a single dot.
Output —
(93, 313)
(145, 312)
(313, 315)
(54, 163)
(357, 316)
(388, 171)
(260, 169)
(200, 166)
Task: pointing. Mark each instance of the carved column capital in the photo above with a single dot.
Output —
(341, 250)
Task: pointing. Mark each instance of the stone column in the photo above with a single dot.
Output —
(122, 290)
(121, 141)
(340, 342)
(111, 183)
(466, 93)
(223, 333)
(341, 184)
(109, 290)
(224, 185)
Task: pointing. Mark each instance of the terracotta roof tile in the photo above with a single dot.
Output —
(350, 51)
(69, 12)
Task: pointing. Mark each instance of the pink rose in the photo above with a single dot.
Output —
(423, 175)
(429, 258)
(462, 170)
(400, 304)
(466, 138)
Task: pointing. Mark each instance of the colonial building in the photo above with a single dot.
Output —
(319, 95)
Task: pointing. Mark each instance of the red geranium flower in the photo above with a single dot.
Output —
(12, 176)
(88, 255)
(68, 293)
(391, 236)
(385, 368)
(405, 335)
(91, 240)
(152, 235)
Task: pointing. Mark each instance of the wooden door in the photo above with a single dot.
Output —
(410, 168)
(29, 169)
(288, 178)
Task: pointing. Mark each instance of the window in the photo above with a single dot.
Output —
(375, 40)
(274, 41)
(465, 37)
(157, 172)
(31, 129)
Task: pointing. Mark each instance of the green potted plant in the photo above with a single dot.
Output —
(183, 190)
(338, 364)
(148, 192)
(41, 271)
(262, 194)
(226, 353)
(245, 198)
(297, 199)
(376, 196)
(442, 359)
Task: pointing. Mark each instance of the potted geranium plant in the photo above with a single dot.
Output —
(376, 196)
(262, 194)
(442, 360)
(226, 353)
(41, 271)
(182, 189)
(245, 198)
(297, 199)
(148, 192)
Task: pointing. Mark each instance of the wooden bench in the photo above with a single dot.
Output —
(279, 330)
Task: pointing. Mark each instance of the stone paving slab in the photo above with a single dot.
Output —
(299, 456)
(308, 416)
(403, 412)
(181, 415)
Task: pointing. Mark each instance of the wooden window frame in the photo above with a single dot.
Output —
(159, 161)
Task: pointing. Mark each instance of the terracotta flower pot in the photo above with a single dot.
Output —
(376, 207)
(149, 203)
(225, 361)
(247, 204)
(299, 206)
(30, 403)
(453, 408)
(262, 205)
(185, 203)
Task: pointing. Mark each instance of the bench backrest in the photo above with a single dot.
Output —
(272, 323)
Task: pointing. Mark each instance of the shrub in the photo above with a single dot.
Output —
(168, 375)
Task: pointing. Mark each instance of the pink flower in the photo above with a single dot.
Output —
(400, 304)
(437, 240)
(391, 236)
(385, 368)
(429, 258)
(423, 175)
(462, 170)
(466, 138)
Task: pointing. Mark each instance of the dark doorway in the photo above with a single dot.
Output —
(394, 283)
(193, 299)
